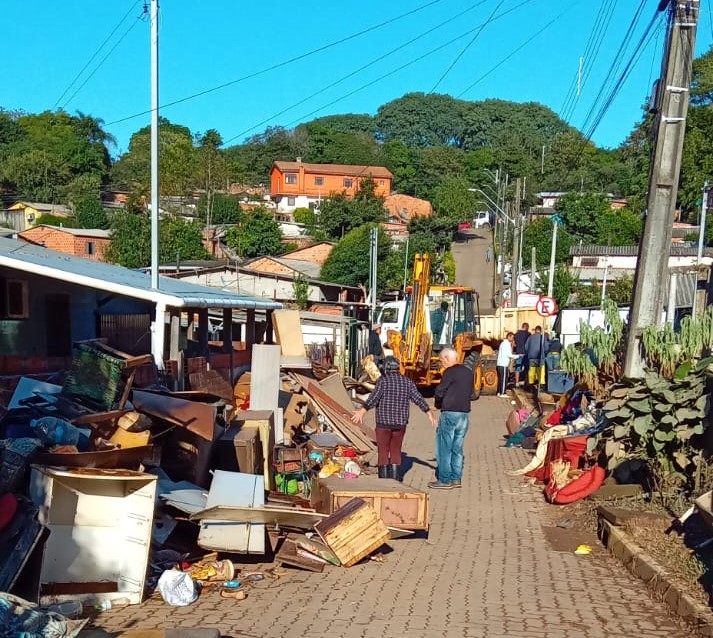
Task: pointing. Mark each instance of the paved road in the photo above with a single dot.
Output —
(471, 268)
(486, 570)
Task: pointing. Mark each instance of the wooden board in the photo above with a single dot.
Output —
(263, 421)
(264, 377)
(288, 332)
(288, 555)
(398, 505)
(353, 532)
(284, 517)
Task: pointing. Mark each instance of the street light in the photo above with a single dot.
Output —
(492, 203)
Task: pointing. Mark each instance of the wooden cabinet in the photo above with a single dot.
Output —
(398, 505)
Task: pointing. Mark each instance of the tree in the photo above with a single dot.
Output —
(620, 227)
(47, 219)
(258, 235)
(563, 285)
(453, 200)
(130, 239)
(212, 169)
(226, 208)
(538, 235)
(339, 214)
(180, 240)
(90, 213)
(580, 212)
(348, 263)
(301, 291)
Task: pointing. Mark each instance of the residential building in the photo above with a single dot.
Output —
(33, 210)
(547, 202)
(283, 266)
(301, 185)
(90, 243)
(316, 253)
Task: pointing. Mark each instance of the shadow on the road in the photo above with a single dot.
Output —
(407, 462)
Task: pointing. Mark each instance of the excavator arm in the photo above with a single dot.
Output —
(416, 347)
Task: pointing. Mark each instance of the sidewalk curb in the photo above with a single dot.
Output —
(656, 578)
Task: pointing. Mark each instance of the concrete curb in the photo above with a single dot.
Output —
(656, 578)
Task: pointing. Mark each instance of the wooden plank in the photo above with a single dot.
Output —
(288, 332)
(353, 532)
(317, 393)
(288, 556)
(264, 377)
(334, 387)
(344, 430)
(284, 517)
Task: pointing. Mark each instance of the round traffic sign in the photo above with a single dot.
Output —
(546, 306)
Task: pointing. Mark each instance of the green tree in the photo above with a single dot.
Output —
(621, 290)
(620, 227)
(453, 200)
(47, 219)
(130, 239)
(301, 290)
(348, 263)
(90, 213)
(212, 169)
(180, 240)
(580, 212)
(258, 235)
(563, 284)
(339, 214)
(538, 235)
(226, 208)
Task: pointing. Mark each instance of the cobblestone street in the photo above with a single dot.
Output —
(486, 570)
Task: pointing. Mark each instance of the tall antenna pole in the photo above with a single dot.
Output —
(154, 144)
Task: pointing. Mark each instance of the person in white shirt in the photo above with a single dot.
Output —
(505, 355)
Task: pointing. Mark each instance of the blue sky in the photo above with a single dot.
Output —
(206, 44)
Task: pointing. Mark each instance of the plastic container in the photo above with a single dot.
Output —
(106, 603)
(54, 431)
(71, 609)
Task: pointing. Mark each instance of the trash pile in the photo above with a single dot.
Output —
(110, 493)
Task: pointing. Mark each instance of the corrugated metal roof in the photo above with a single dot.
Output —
(123, 281)
(96, 233)
(682, 249)
(685, 289)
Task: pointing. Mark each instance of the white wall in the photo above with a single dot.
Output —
(256, 285)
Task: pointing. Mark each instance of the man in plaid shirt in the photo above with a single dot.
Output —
(391, 398)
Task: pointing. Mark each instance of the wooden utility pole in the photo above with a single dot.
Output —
(671, 102)
(515, 274)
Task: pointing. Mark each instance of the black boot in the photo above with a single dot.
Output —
(395, 472)
(384, 471)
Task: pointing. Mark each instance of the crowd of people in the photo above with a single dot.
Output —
(533, 353)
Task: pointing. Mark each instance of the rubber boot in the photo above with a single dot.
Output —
(383, 471)
(395, 472)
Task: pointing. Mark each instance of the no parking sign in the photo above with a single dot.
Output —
(546, 306)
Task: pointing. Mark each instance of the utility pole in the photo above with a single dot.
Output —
(669, 126)
(154, 146)
(553, 255)
(516, 246)
(373, 266)
(533, 271)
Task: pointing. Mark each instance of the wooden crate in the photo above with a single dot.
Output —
(353, 531)
(398, 505)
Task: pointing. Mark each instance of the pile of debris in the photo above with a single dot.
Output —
(109, 492)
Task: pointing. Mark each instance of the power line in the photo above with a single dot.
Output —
(279, 65)
(104, 59)
(357, 71)
(386, 75)
(519, 48)
(95, 54)
(467, 46)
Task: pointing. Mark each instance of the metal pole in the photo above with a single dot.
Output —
(604, 283)
(533, 272)
(701, 241)
(669, 127)
(406, 264)
(553, 253)
(154, 147)
(516, 247)
(671, 305)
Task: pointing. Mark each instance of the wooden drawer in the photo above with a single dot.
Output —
(398, 505)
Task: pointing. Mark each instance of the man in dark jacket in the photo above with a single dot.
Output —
(374, 347)
(521, 337)
(453, 398)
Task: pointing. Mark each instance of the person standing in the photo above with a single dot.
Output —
(535, 352)
(453, 397)
(502, 365)
(375, 348)
(489, 254)
(391, 397)
(554, 351)
(521, 337)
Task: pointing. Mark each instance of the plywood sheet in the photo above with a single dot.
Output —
(285, 517)
(288, 332)
(265, 377)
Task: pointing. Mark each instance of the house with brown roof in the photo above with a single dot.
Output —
(32, 211)
(316, 253)
(301, 185)
(90, 243)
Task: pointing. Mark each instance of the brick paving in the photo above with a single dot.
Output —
(484, 571)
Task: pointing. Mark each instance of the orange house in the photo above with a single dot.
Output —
(299, 185)
(90, 243)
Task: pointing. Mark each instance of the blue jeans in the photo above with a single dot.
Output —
(452, 428)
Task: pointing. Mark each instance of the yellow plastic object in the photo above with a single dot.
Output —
(583, 550)
(329, 468)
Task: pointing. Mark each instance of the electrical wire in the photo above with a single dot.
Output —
(104, 59)
(539, 32)
(384, 76)
(357, 71)
(96, 53)
(279, 65)
(467, 46)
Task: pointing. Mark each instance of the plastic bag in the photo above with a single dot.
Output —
(177, 588)
(54, 431)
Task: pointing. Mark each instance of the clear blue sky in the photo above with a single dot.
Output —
(206, 44)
